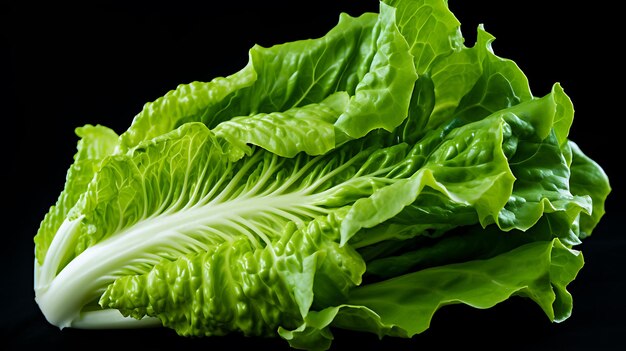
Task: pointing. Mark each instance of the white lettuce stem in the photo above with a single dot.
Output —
(62, 298)
(61, 242)
(112, 319)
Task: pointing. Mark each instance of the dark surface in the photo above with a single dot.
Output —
(69, 66)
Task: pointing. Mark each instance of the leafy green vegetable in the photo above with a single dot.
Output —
(360, 180)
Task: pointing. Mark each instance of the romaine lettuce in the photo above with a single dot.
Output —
(360, 180)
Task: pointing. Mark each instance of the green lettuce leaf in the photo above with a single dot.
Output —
(233, 287)
(365, 57)
(523, 171)
(469, 83)
(588, 179)
(404, 306)
(95, 144)
(309, 128)
(430, 29)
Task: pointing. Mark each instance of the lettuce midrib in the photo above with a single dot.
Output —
(198, 227)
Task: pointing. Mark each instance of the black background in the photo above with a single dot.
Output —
(99, 63)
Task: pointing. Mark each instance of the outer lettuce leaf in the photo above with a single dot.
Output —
(542, 171)
(306, 71)
(393, 258)
(95, 144)
(459, 245)
(188, 102)
(366, 57)
(588, 179)
(404, 306)
(233, 287)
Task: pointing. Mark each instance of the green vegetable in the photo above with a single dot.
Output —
(361, 180)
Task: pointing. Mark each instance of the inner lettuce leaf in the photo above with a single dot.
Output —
(360, 180)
